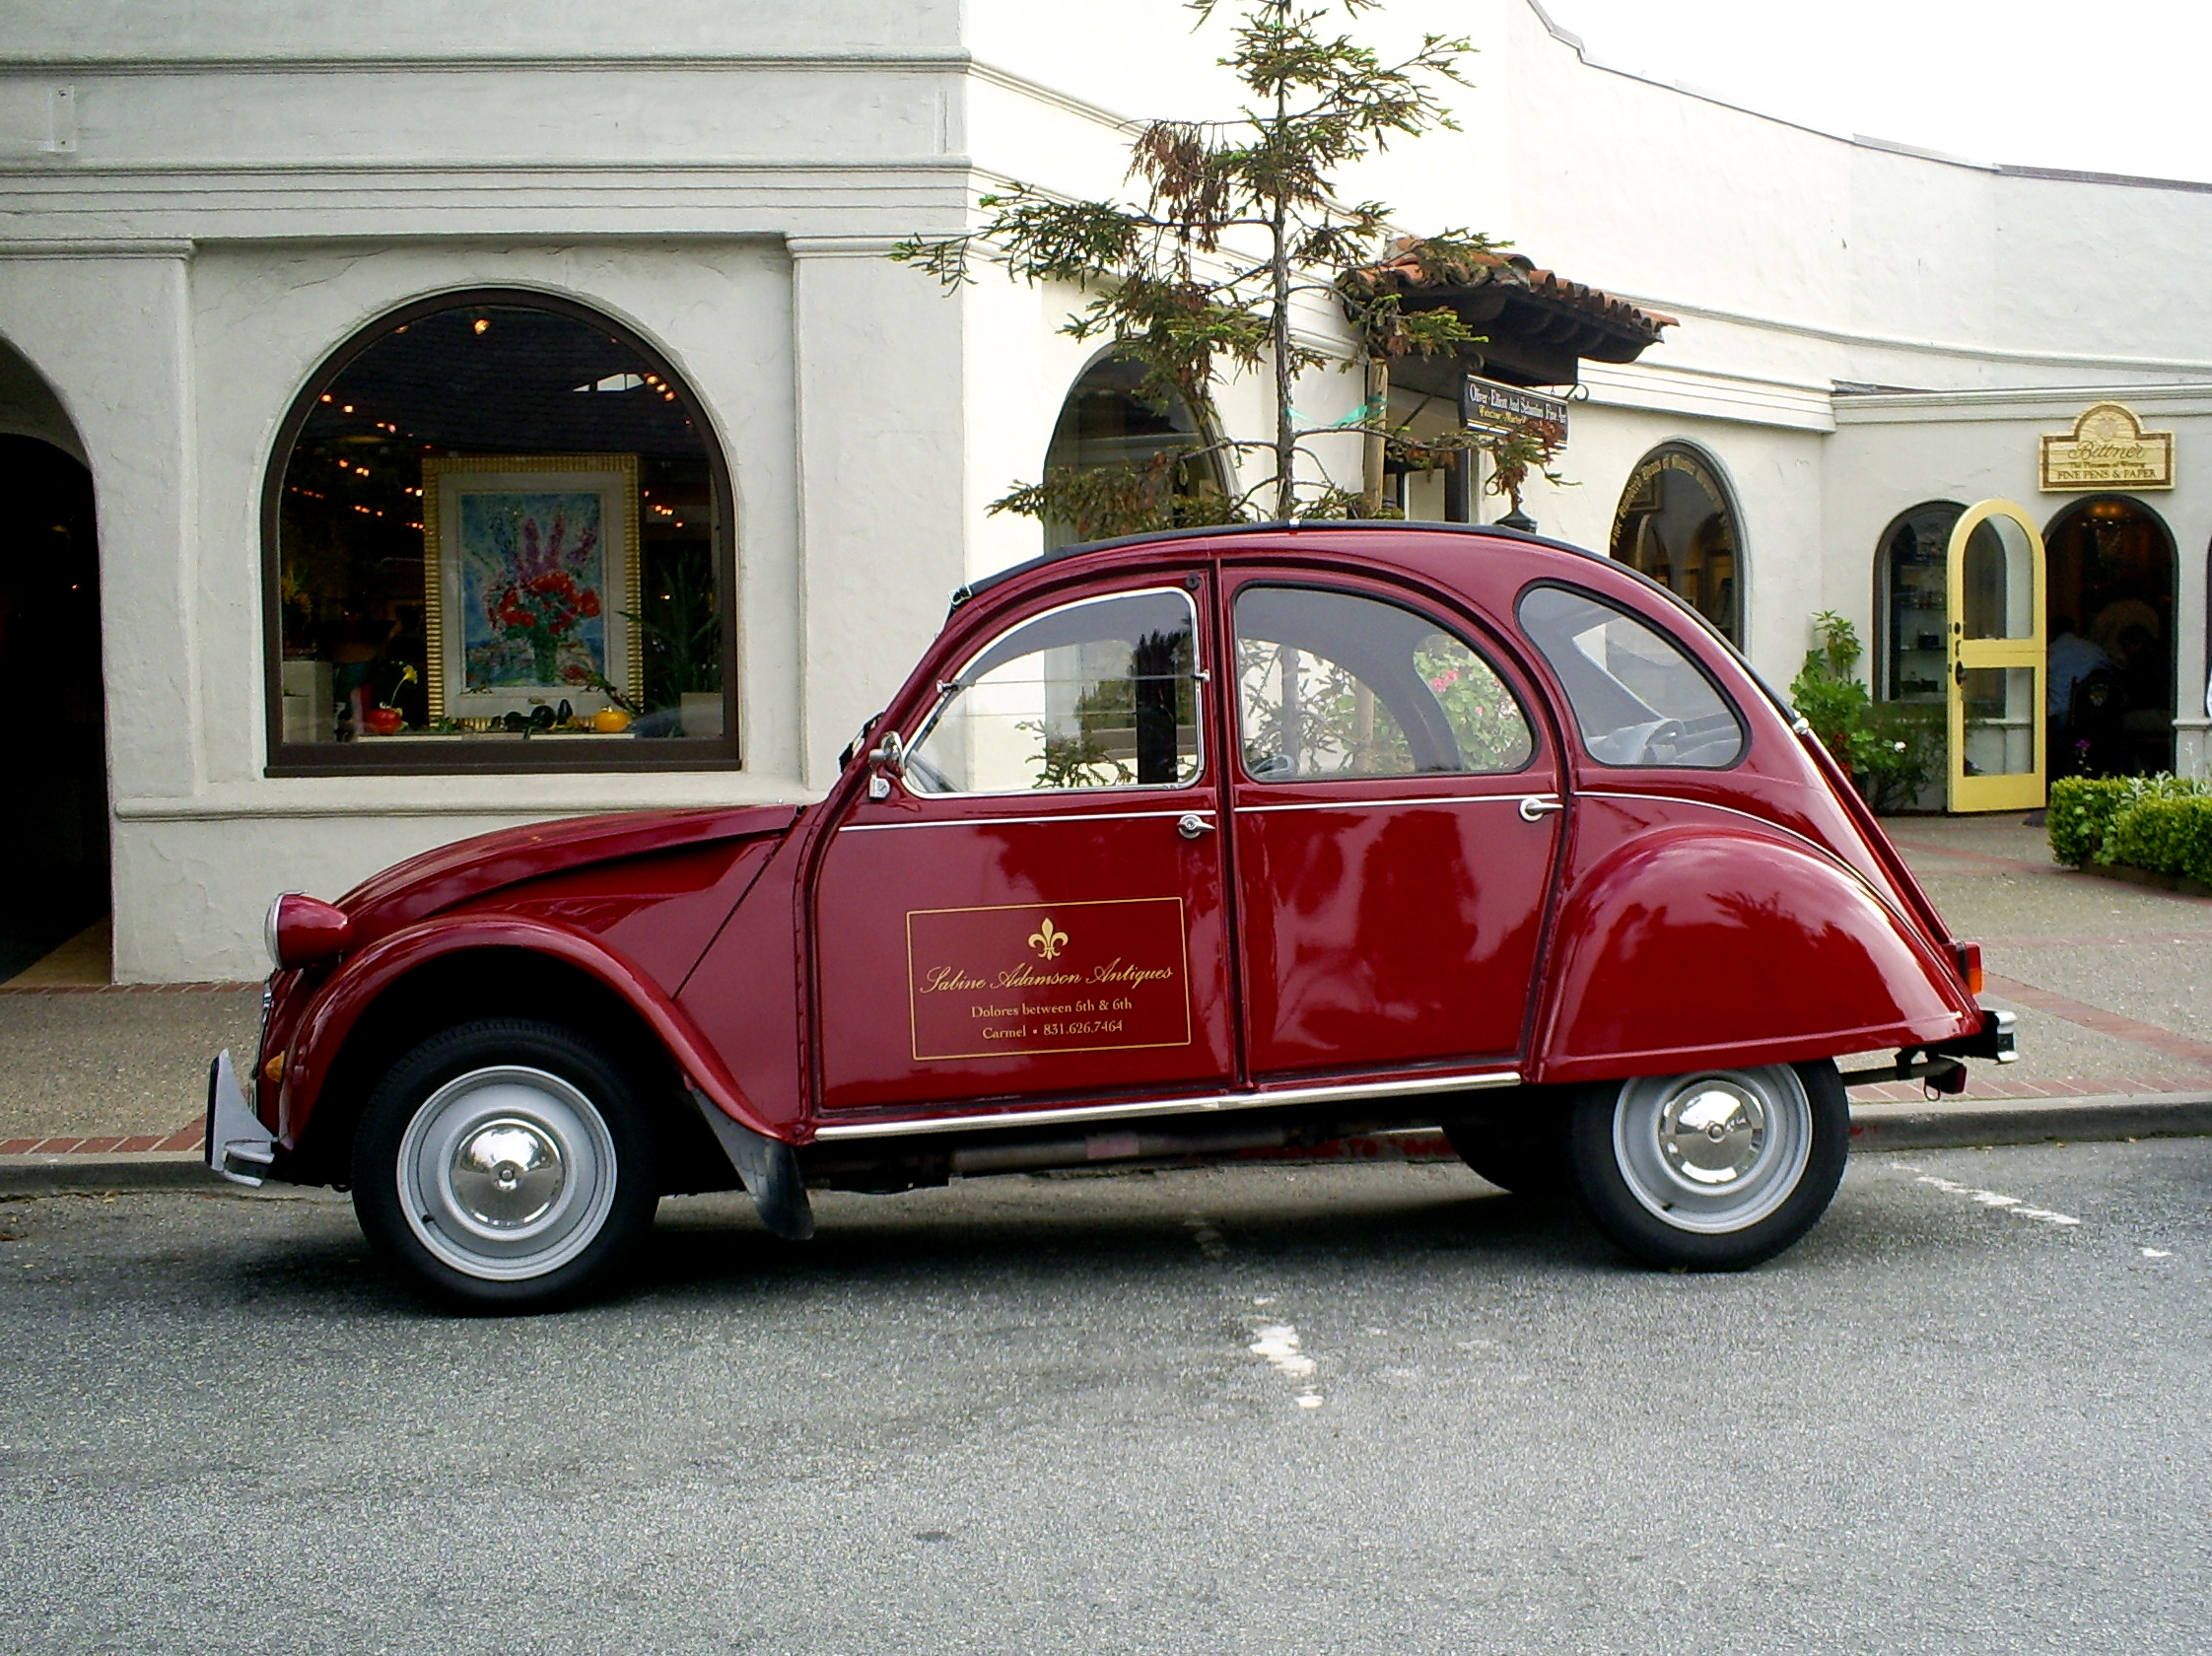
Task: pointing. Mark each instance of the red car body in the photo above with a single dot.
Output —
(875, 983)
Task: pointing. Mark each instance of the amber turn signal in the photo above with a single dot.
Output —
(273, 1070)
(303, 931)
(1969, 966)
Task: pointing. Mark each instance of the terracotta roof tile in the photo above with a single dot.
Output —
(1407, 269)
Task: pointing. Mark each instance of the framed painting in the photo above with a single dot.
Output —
(531, 564)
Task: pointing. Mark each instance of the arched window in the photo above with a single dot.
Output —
(1675, 523)
(498, 537)
(1140, 453)
(1910, 583)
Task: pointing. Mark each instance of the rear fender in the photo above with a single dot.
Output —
(1690, 947)
(365, 977)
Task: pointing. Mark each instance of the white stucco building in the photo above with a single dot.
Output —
(249, 251)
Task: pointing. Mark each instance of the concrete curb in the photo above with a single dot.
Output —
(1874, 1128)
(52, 1175)
(2029, 1121)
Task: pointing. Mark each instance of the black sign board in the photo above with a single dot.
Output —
(1486, 405)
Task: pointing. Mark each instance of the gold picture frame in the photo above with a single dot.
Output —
(530, 574)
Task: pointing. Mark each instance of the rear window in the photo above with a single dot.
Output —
(1638, 698)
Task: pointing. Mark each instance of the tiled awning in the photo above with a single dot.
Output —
(1539, 324)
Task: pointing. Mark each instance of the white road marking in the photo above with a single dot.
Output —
(2157, 1253)
(1992, 1199)
(1278, 1342)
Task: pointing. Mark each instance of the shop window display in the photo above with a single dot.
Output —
(500, 540)
(1912, 616)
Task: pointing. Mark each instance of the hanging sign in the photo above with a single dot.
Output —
(1485, 405)
(2107, 448)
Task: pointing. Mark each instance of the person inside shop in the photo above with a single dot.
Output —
(2069, 721)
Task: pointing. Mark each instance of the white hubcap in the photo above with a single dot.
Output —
(1713, 1152)
(507, 1173)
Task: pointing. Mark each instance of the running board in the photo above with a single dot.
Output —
(909, 1127)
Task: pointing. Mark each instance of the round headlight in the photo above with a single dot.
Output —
(303, 931)
(269, 928)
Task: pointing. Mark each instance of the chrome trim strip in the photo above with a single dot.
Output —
(1002, 821)
(1376, 804)
(1172, 1106)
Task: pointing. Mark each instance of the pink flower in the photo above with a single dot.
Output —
(1444, 680)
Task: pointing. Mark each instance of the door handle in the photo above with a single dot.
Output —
(1191, 825)
(1537, 806)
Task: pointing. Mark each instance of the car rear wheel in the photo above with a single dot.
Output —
(1712, 1172)
(504, 1165)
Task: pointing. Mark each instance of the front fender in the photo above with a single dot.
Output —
(365, 977)
(1699, 947)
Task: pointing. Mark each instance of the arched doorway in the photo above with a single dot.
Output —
(1138, 455)
(1676, 524)
(2109, 620)
(53, 821)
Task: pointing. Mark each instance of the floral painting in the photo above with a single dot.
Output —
(532, 562)
(532, 574)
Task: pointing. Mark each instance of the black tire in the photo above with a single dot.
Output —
(1520, 1148)
(1713, 1171)
(505, 1166)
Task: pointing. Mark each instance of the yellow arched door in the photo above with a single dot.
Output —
(1997, 664)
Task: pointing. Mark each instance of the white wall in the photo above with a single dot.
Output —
(325, 31)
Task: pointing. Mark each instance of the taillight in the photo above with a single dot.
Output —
(303, 931)
(1969, 966)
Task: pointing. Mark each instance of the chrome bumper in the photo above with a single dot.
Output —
(239, 1147)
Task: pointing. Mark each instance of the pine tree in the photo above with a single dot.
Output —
(1236, 220)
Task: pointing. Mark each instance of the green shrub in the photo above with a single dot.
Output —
(2170, 835)
(1889, 750)
(2080, 813)
(2085, 813)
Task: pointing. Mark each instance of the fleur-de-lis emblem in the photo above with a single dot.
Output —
(1046, 941)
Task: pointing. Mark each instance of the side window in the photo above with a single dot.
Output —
(1330, 684)
(1097, 694)
(1638, 699)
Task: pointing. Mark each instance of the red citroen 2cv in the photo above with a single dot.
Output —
(1172, 848)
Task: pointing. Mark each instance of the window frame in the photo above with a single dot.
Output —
(500, 756)
(1261, 580)
(950, 689)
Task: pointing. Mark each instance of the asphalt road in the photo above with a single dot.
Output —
(1332, 1410)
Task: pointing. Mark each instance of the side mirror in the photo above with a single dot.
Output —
(888, 757)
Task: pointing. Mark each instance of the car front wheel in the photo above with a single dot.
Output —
(504, 1165)
(1712, 1172)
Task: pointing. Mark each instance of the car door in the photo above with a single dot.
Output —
(1397, 817)
(1033, 911)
